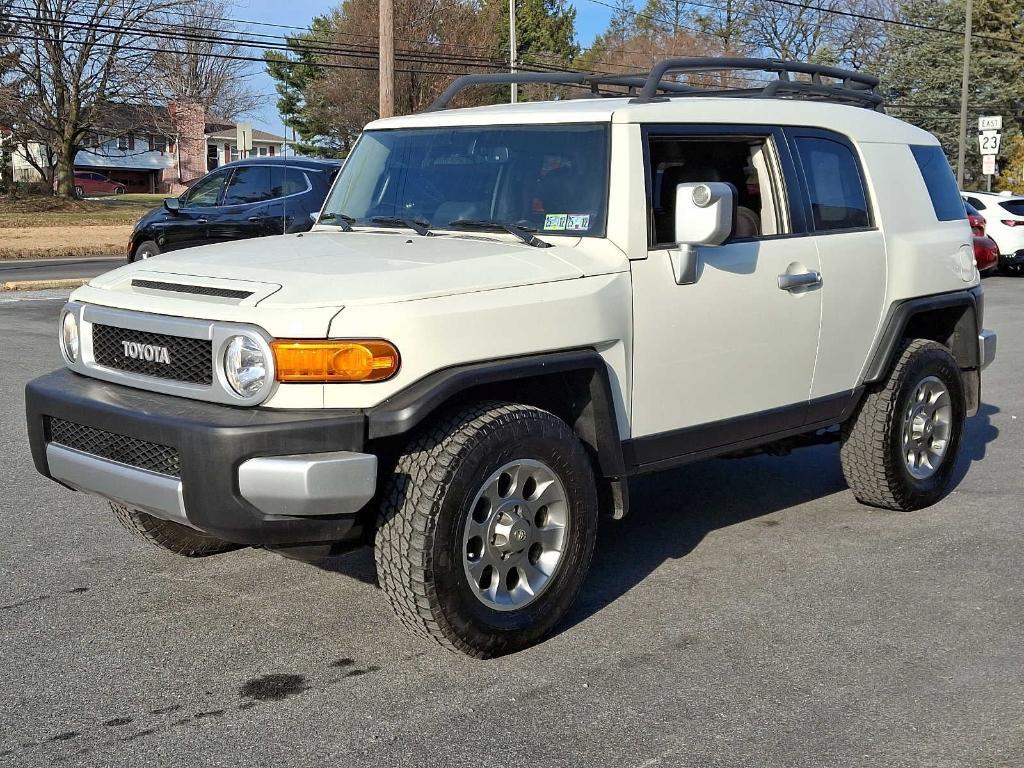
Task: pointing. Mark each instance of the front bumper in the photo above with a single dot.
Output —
(246, 475)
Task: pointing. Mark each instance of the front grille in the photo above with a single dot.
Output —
(189, 360)
(107, 445)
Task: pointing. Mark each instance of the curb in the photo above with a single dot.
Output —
(40, 285)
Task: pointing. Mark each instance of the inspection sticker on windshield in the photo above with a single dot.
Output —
(555, 220)
(578, 222)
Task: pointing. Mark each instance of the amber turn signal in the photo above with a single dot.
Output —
(299, 360)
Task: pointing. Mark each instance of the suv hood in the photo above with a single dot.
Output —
(335, 269)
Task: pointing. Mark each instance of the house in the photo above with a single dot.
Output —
(163, 150)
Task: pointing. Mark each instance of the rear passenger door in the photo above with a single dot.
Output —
(851, 252)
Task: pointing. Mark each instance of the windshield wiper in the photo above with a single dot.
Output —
(523, 233)
(416, 225)
(343, 220)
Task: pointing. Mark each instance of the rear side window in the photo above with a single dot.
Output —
(250, 184)
(941, 184)
(976, 203)
(834, 184)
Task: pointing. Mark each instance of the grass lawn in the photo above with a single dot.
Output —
(45, 226)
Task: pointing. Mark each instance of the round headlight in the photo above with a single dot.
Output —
(69, 336)
(245, 366)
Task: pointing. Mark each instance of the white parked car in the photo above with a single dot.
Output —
(1004, 217)
(506, 312)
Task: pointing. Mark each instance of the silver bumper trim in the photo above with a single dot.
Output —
(986, 348)
(159, 495)
(335, 483)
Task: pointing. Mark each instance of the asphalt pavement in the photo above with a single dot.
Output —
(56, 269)
(748, 613)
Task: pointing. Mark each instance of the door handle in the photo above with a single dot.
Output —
(201, 221)
(255, 219)
(788, 282)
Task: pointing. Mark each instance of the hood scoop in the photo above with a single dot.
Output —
(142, 280)
(199, 290)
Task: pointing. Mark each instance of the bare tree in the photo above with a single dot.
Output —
(195, 62)
(67, 61)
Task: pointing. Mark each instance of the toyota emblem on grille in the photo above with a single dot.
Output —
(151, 353)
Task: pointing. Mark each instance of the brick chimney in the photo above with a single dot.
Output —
(189, 120)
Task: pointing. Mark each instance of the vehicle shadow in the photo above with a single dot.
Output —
(672, 512)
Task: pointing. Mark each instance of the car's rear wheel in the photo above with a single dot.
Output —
(119, 190)
(900, 448)
(79, 193)
(173, 537)
(147, 249)
(486, 528)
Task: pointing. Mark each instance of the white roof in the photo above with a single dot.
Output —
(856, 122)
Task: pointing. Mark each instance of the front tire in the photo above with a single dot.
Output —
(900, 448)
(487, 527)
(170, 536)
(147, 249)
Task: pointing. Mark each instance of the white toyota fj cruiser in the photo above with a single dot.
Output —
(505, 312)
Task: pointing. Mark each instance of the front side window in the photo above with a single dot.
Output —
(250, 184)
(745, 163)
(550, 178)
(834, 184)
(206, 192)
(940, 182)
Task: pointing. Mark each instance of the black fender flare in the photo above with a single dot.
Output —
(963, 342)
(596, 424)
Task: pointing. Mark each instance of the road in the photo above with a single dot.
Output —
(748, 613)
(57, 269)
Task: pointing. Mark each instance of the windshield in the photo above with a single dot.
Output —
(551, 179)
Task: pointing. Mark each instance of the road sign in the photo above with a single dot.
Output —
(990, 123)
(989, 142)
(988, 165)
(243, 137)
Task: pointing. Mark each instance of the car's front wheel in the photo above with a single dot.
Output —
(147, 249)
(79, 192)
(486, 528)
(173, 537)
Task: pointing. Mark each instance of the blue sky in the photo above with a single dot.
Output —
(591, 19)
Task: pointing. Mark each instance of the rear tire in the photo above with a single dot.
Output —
(79, 193)
(437, 538)
(173, 537)
(900, 447)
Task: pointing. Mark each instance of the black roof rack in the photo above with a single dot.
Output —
(843, 86)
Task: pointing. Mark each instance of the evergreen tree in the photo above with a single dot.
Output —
(922, 68)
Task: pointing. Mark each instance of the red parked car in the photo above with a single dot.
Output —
(92, 183)
(976, 219)
(986, 254)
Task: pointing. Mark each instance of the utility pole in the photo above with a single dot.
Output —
(964, 93)
(513, 52)
(386, 39)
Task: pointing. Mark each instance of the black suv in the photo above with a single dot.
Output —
(247, 198)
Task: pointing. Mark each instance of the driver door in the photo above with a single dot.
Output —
(190, 225)
(731, 356)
